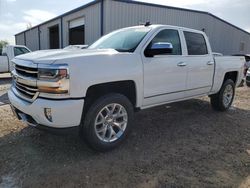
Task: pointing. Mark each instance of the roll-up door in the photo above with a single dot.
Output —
(77, 31)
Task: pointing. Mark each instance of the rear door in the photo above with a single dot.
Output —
(200, 64)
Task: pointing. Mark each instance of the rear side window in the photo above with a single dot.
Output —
(169, 36)
(20, 51)
(196, 43)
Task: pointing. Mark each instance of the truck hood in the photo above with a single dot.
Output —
(51, 56)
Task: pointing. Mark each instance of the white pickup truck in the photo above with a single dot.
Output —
(98, 89)
(8, 53)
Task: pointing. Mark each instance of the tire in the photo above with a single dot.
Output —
(248, 84)
(103, 132)
(218, 101)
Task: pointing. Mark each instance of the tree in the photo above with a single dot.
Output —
(2, 44)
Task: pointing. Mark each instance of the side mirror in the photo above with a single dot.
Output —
(158, 48)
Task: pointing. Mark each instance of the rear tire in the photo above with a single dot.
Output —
(107, 122)
(224, 98)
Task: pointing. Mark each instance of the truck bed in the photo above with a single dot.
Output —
(225, 64)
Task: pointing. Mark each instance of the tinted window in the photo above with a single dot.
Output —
(169, 36)
(20, 51)
(196, 43)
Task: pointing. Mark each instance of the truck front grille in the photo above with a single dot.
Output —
(28, 91)
(26, 71)
(25, 80)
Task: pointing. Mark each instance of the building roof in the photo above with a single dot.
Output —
(138, 3)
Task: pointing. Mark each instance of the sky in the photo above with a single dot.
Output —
(16, 15)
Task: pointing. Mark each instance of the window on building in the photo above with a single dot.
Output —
(169, 36)
(196, 43)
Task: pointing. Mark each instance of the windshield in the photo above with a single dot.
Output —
(125, 40)
(20, 51)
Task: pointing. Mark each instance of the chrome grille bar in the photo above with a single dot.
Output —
(25, 75)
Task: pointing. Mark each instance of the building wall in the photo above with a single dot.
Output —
(92, 16)
(20, 39)
(224, 38)
(44, 33)
(32, 40)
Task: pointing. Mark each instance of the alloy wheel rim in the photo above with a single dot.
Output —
(111, 122)
(227, 95)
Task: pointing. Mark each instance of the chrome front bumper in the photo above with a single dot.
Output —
(65, 113)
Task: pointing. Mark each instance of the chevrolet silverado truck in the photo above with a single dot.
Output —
(8, 53)
(98, 89)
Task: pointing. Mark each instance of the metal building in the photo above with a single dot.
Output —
(87, 23)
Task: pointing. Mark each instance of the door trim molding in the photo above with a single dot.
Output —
(176, 92)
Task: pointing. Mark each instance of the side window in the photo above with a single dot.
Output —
(20, 51)
(169, 36)
(196, 43)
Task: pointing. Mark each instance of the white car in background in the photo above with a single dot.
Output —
(8, 53)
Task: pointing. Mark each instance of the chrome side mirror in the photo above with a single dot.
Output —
(159, 48)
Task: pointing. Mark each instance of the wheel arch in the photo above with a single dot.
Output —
(125, 87)
(233, 75)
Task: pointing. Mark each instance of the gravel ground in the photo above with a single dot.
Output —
(184, 144)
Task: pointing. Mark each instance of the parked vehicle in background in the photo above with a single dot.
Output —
(248, 78)
(8, 53)
(247, 62)
(98, 89)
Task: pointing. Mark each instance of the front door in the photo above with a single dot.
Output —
(165, 75)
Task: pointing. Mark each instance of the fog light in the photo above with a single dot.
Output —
(48, 114)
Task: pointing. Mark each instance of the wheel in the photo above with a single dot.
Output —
(248, 84)
(107, 122)
(224, 98)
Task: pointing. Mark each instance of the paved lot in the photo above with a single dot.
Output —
(184, 144)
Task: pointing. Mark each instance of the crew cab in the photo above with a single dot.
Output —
(98, 89)
(8, 53)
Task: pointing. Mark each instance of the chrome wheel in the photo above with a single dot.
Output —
(228, 95)
(111, 122)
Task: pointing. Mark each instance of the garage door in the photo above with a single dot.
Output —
(77, 31)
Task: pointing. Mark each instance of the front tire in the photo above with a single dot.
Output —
(224, 98)
(107, 122)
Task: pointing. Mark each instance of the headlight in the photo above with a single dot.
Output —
(53, 79)
(50, 74)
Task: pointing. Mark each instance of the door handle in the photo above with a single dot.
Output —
(182, 64)
(210, 63)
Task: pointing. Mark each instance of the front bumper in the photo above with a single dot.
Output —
(65, 113)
